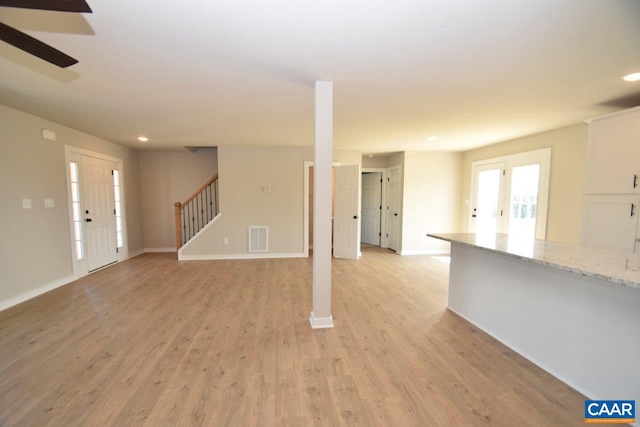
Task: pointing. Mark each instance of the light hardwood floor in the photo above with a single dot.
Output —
(153, 341)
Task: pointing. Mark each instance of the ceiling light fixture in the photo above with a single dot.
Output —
(633, 77)
(432, 138)
(143, 139)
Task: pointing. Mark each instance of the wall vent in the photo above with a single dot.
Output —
(258, 239)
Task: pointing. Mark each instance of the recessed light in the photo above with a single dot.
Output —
(432, 138)
(143, 139)
(633, 77)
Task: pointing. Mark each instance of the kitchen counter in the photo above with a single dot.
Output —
(573, 311)
(604, 264)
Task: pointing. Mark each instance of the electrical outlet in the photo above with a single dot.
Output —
(26, 203)
(48, 203)
(225, 240)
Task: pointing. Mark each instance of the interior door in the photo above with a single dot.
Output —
(486, 208)
(346, 220)
(371, 206)
(393, 214)
(99, 212)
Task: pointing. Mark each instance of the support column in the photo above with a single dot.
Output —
(322, 226)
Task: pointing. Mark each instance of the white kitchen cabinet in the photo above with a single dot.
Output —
(611, 222)
(613, 158)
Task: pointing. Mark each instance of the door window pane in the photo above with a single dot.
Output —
(524, 201)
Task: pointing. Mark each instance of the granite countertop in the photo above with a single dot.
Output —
(602, 264)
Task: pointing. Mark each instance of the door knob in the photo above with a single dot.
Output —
(88, 220)
(395, 214)
(355, 217)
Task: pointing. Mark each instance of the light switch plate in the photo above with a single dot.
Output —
(26, 203)
(48, 203)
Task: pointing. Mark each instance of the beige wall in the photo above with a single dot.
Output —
(431, 199)
(166, 178)
(244, 171)
(568, 168)
(384, 160)
(35, 252)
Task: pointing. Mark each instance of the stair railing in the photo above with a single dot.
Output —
(197, 211)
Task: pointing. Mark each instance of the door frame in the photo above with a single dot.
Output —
(75, 154)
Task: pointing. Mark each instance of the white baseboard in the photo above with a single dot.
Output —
(320, 322)
(239, 256)
(10, 302)
(159, 250)
(135, 253)
(426, 252)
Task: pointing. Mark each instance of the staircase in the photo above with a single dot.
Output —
(196, 212)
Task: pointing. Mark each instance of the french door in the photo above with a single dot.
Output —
(509, 195)
(487, 213)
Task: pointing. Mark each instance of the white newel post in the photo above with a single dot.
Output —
(323, 149)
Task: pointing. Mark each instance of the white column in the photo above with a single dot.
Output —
(322, 227)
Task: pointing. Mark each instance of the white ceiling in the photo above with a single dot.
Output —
(208, 73)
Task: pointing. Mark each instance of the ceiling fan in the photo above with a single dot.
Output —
(32, 45)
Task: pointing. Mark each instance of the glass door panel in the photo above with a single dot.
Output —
(486, 212)
(523, 201)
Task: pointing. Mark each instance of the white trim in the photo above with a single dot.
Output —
(320, 322)
(615, 114)
(15, 300)
(240, 256)
(186, 245)
(136, 253)
(18, 299)
(426, 252)
(158, 250)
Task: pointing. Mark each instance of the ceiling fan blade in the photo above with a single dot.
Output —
(35, 47)
(57, 5)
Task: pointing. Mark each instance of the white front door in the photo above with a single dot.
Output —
(371, 206)
(346, 221)
(98, 207)
(393, 209)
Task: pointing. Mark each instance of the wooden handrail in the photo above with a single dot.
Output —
(199, 190)
(178, 207)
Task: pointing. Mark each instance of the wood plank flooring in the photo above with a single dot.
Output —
(157, 342)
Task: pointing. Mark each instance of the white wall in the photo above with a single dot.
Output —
(431, 200)
(35, 253)
(166, 178)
